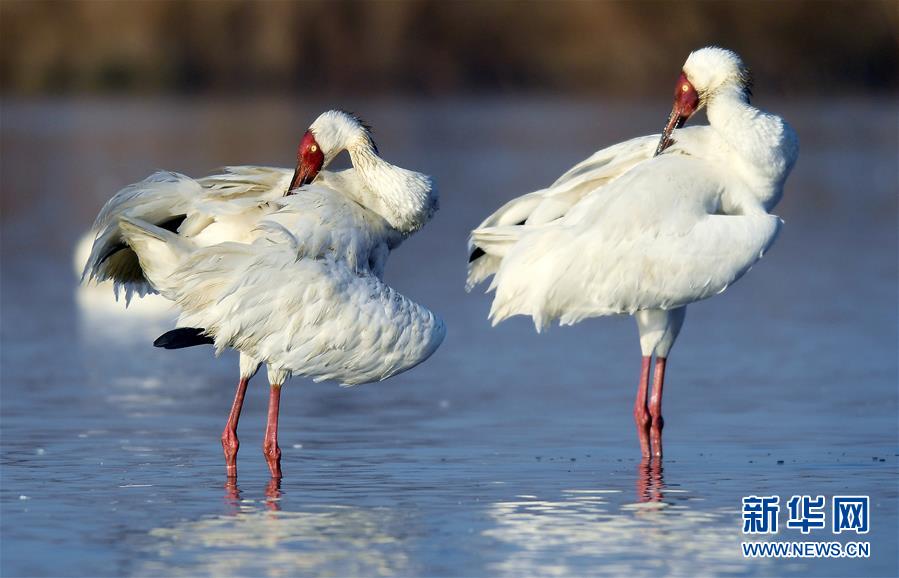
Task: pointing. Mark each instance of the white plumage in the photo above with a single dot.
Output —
(627, 231)
(286, 272)
(637, 245)
(306, 296)
(228, 206)
(217, 208)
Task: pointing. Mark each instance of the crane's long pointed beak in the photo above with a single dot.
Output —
(293, 181)
(675, 120)
(301, 176)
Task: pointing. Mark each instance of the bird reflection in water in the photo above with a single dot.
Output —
(606, 529)
(650, 480)
(260, 535)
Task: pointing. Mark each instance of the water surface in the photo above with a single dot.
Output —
(507, 453)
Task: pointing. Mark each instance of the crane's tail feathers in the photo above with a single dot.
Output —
(489, 246)
(480, 269)
(496, 241)
(159, 251)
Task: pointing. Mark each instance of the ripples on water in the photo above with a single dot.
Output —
(582, 529)
(507, 454)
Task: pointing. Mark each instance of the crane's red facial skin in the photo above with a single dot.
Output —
(686, 101)
(310, 159)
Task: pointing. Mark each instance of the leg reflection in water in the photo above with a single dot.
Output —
(273, 495)
(650, 481)
(232, 495)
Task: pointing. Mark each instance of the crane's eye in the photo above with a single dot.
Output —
(314, 148)
(684, 87)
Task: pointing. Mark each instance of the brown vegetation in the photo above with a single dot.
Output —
(434, 47)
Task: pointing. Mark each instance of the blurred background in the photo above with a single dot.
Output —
(507, 453)
(436, 48)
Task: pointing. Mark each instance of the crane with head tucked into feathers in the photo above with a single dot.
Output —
(284, 266)
(647, 226)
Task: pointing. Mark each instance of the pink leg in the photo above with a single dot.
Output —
(641, 414)
(230, 442)
(655, 406)
(270, 445)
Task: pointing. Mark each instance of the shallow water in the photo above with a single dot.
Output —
(507, 453)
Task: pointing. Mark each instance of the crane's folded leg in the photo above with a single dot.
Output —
(641, 410)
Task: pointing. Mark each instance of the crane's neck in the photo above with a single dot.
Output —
(765, 146)
(404, 199)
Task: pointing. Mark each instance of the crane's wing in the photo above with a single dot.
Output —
(219, 207)
(656, 239)
(245, 181)
(546, 205)
(163, 199)
(589, 177)
(308, 316)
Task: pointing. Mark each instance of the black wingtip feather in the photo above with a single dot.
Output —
(172, 224)
(476, 254)
(183, 337)
(110, 252)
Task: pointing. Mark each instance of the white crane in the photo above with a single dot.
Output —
(289, 279)
(647, 226)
